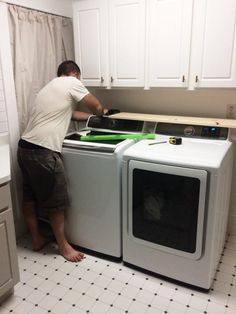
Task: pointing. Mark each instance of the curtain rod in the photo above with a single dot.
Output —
(21, 6)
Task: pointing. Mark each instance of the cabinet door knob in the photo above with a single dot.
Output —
(196, 79)
(112, 79)
(183, 78)
(102, 79)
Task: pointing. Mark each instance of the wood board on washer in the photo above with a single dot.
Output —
(224, 123)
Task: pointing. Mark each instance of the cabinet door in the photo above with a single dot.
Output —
(215, 40)
(91, 40)
(9, 273)
(127, 42)
(169, 39)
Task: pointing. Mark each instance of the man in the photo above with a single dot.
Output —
(39, 154)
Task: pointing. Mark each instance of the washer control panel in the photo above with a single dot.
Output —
(95, 122)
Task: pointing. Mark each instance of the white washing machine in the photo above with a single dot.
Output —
(176, 200)
(93, 220)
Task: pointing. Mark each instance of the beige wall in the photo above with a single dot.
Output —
(207, 103)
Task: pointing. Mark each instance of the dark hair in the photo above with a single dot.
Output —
(66, 67)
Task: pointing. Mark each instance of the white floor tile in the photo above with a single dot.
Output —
(36, 296)
(69, 281)
(176, 308)
(181, 297)
(144, 296)
(24, 291)
(218, 297)
(38, 310)
(85, 302)
(198, 304)
(161, 303)
(59, 291)
(151, 285)
(61, 307)
(82, 286)
(224, 277)
(94, 291)
(35, 281)
(91, 276)
(130, 291)
(137, 308)
(48, 302)
(57, 276)
(72, 296)
(11, 302)
(230, 311)
(99, 307)
(213, 308)
(4, 310)
(122, 302)
(23, 307)
(76, 310)
(192, 311)
(115, 285)
(232, 303)
(108, 297)
(103, 281)
(154, 311)
(166, 291)
(114, 310)
(49, 284)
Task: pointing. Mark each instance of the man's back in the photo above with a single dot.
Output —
(52, 111)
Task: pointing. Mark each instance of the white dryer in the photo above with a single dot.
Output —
(175, 202)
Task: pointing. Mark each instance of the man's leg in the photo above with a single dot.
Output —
(30, 216)
(57, 220)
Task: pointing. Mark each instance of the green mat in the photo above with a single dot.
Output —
(115, 137)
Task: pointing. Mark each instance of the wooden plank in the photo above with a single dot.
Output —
(226, 123)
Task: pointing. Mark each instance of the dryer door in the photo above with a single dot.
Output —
(166, 206)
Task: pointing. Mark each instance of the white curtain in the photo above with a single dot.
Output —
(40, 42)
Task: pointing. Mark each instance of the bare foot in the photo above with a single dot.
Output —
(70, 254)
(40, 242)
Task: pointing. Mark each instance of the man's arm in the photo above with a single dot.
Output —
(80, 115)
(93, 104)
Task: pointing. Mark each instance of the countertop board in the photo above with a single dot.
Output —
(226, 123)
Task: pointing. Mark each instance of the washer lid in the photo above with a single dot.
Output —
(192, 152)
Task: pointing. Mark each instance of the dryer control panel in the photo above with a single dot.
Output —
(197, 131)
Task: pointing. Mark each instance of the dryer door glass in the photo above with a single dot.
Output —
(167, 207)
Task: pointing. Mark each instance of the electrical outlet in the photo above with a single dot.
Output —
(231, 111)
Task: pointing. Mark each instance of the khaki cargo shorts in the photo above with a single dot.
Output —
(44, 179)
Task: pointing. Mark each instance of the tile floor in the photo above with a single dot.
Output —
(49, 284)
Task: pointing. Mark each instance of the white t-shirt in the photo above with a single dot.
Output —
(52, 111)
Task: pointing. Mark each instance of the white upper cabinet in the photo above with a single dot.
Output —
(156, 43)
(127, 42)
(214, 47)
(91, 39)
(169, 38)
